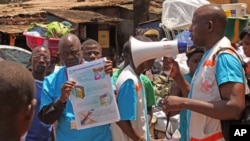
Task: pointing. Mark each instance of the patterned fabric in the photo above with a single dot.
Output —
(162, 85)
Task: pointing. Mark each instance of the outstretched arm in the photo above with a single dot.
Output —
(228, 109)
(52, 112)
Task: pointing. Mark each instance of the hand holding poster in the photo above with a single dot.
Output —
(93, 99)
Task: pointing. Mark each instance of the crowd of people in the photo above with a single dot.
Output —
(35, 103)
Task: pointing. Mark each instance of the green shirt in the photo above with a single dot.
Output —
(149, 89)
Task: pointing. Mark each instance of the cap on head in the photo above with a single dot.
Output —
(152, 32)
(193, 50)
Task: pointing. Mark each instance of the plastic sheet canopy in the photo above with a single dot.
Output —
(177, 14)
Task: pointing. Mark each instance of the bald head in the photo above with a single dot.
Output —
(214, 14)
(70, 50)
(69, 40)
(208, 25)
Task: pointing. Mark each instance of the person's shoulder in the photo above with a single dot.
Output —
(230, 57)
(228, 62)
(58, 73)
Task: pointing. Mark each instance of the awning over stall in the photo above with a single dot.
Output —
(11, 29)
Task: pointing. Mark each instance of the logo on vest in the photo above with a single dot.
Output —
(206, 85)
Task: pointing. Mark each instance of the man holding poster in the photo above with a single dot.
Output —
(93, 99)
(55, 102)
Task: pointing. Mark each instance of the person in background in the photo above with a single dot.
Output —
(194, 56)
(217, 90)
(92, 50)
(17, 100)
(153, 34)
(55, 103)
(40, 59)
(245, 42)
(149, 89)
(131, 100)
(153, 74)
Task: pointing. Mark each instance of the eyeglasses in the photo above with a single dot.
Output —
(38, 57)
(92, 52)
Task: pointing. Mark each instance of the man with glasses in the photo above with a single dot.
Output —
(55, 103)
(40, 60)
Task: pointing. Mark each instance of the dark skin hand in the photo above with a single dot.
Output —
(66, 90)
(231, 105)
(108, 67)
(170, 65)
(69, 85)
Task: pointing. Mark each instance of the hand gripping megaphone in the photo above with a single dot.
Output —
(143, 51)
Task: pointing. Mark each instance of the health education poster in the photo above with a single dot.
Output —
(93, 99)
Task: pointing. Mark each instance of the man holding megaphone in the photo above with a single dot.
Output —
(217, 90)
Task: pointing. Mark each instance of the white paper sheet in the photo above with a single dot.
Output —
(93, 100)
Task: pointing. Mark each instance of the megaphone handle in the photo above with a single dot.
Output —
(168, 72)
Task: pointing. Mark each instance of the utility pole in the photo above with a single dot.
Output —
(141, 12)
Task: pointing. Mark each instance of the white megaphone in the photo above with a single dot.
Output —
(143, 51)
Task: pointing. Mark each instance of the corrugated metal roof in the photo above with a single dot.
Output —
(37, 6)
(59, 8)
(78, 16)
(13, 28)
(155, 5)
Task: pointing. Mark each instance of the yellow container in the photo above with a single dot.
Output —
(237, 9)
(228, 13)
